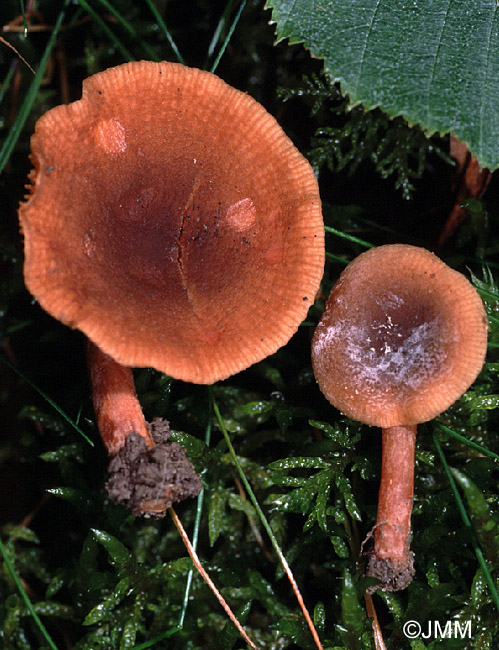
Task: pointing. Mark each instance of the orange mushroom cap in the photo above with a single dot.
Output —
(402, 337)
(172, 221)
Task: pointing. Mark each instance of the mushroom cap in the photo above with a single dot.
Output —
(402, 337)
(172, 221)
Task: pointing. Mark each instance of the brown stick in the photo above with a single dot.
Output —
(115, 401)
(379, 643)
(391, 559)
(204, 574)
(471, 182)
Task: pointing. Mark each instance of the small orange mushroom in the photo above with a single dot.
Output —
(173, 222)
(402, 337)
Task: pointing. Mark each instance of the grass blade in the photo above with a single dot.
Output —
(112, 37)
(161, 23)
(195, 533)
(48, 399)
(265, 523)
(228, 37)
(25, 597)
(348, 237)
(467, 523)
(483, 450)
(6, 82)
(130, 30)
(218, 30)
(25, 22)
(15, 131)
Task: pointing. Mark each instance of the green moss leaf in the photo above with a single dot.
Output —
(103, 609)
(76, 497)
(230, 634)
(216, 511)
(118, 552)
(299, 463)
(486, 526)
(343, 437)
(340, 548)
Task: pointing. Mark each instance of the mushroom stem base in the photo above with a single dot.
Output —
(147, 474)
(393, 575)
(149, 481)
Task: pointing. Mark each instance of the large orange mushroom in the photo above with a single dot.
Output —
(402, 337)
(173, 222)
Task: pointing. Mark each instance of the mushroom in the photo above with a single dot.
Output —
(402, 337)
(171, 220)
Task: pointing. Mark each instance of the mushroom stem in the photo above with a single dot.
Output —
(116, 406)
(391, 559)
(147, 472)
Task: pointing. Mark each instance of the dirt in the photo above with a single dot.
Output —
(149, 481)
(394, 576)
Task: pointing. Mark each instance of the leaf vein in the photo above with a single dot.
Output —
(434, 66)
(366, 42)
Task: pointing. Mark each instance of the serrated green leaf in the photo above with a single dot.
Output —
(56, 583)
(259, 410)
(426, 457)
(338, 514)
(284, 418)
(89, 554)
(322, 500)
(363, 466)
(413, 59)
(289, 481)
(294, 627)
(12, 614)
(432, 576)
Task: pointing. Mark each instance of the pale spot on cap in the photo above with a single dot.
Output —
(110, 136)
(242, 215)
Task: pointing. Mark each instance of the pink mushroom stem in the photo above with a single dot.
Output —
(116, 406)
(393, 525)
